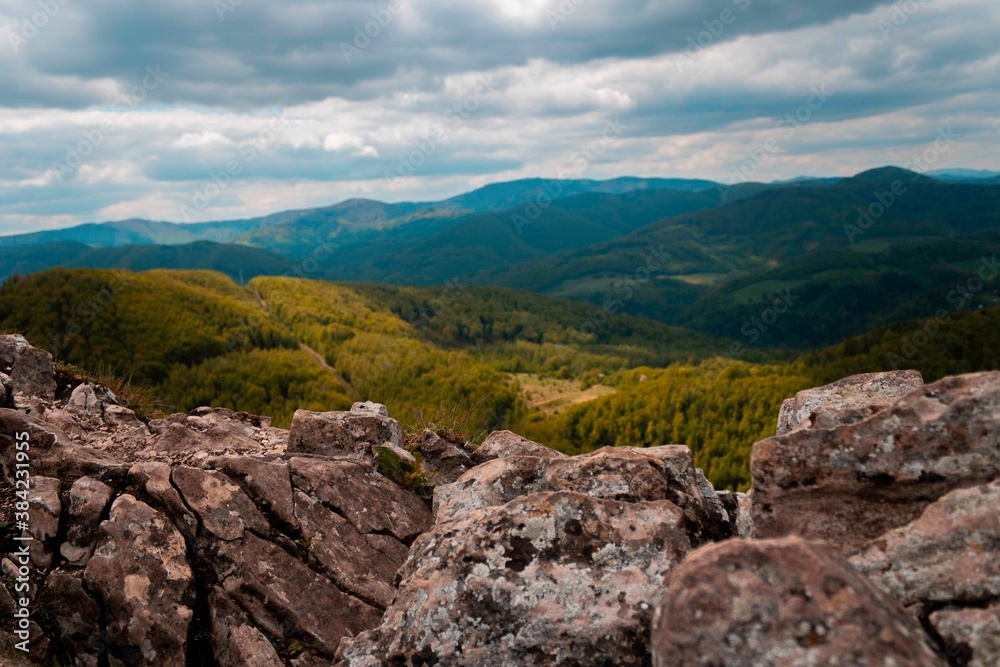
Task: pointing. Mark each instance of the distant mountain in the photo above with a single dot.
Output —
(298, 232)
(236, 261)
(501, 196)
(856, 256)
(964, 175)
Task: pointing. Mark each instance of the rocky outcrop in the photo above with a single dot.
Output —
(851, 483)
(781, 602)
(212, 538)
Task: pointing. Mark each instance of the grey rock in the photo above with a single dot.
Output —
(268, 483)
(502, 444)
(224, 509)
(45, 509)
(237, 642)
(88, 500)
(971, 636)
(846, 401)
(443, 461)
(351, 434)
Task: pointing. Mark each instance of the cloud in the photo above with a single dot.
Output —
(418, 99)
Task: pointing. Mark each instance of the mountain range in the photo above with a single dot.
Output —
(848, 254)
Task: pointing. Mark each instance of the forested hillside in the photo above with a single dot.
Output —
(480, 358)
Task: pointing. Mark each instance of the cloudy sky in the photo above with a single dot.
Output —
(194, 110)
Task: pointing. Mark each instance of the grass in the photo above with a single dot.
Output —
(453, 423)
(139, 397)
(408, 475)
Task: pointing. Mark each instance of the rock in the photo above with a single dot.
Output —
(370, 502)
(88, 500)
(141, 575)
(738, 508)
(224, 510)
(205, 433)
(849, 484)
(846, 401)
(237, 642)
(285, 599)
(444, 461)
(361, 565)
(153, 479)
(549, 578)
(369, 408)
(84, 400)
(53, 454)
(501, 444)
(351, 434)
(951, 554)
(45, 510)
(625, 474)
(396, 451)
(32, 371)
(76, 615)
(268, 483)
(971, 636)
(780, 602)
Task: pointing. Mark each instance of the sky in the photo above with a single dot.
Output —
(194, 110)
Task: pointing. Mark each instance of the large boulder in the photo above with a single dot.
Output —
(852, 483)
(142, 577)
(549, 578)
(846, 401)
(780, 602)
(88, 501)
(950, 555)
(352, 434)
(192, 438)
(625, 474)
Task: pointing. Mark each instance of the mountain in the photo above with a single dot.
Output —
(853, 262)
(236, 261)
(964, 175)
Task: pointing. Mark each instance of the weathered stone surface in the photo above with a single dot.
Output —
(153, 478)
(88, 500)
(951, 554)
(141, 574)
(268, 483)
(45, 510)
(224, 510)
(237, 642)
(285, 599)
(367, 407)
(850, 484)
(351, 434)
(444, 461)
(357, 492)
(846, 401)
(971, 636)
(53, 454)
(76, 615)
(204, 433)
(550, 578)
(780, 602)
(738, 508)
(501, 444)
(625, 474)
(359, 567)
(32, 371)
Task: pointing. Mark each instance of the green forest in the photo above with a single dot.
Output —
(455, 354)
